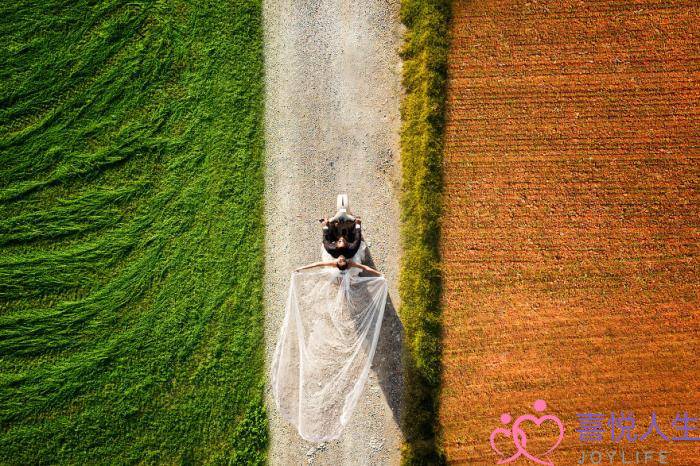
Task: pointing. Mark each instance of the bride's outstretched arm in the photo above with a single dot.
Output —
(316, 264)
(365, 268)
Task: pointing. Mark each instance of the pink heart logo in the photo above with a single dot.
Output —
(520, 437)
(519, 434)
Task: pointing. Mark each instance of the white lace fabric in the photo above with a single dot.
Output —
(325, 348)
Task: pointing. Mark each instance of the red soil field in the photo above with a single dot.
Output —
(571, 223)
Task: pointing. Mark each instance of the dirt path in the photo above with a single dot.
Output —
(332, 122)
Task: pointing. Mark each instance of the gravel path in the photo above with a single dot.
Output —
(332, 124)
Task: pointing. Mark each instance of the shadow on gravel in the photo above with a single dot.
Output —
(387, 359)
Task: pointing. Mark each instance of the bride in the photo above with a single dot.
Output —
(342, 264)
(326, 343)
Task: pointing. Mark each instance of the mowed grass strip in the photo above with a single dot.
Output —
(131, 253)
(422, 112)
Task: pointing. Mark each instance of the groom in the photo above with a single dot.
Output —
(342, 237)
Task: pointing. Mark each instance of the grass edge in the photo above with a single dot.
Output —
(424, 55)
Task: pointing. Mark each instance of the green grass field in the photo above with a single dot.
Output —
(131, 233)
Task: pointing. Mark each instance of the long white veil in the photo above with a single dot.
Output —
(325, 347)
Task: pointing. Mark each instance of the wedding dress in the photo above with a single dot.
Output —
(325, 347)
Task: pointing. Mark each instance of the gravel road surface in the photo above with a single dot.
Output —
(332, 124)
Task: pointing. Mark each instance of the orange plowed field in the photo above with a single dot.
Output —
(571, 226)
